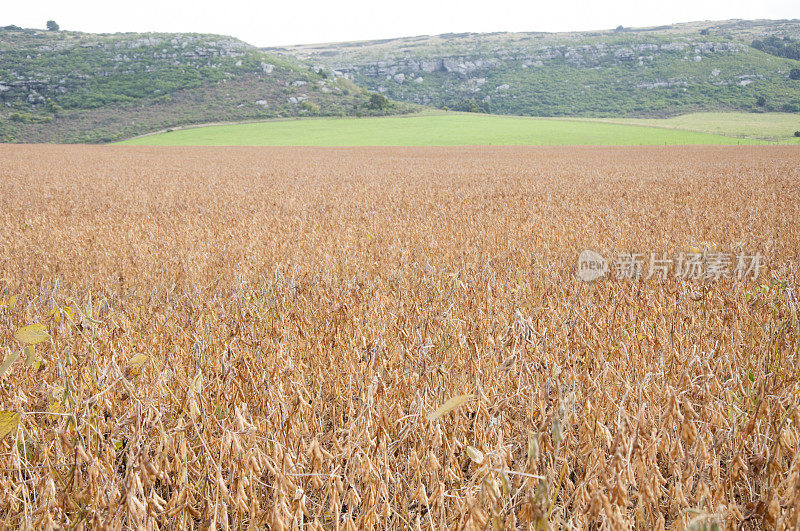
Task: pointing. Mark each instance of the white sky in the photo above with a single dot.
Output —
(270, 23)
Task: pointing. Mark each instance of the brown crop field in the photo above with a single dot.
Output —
(395, 338)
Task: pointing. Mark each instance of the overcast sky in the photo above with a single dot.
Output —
(269, 23)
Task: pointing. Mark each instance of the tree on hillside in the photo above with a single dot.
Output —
(781, 47)
(52, 26)
(378, 102)
(794, 73)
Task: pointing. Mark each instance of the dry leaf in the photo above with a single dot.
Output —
(197, 383)
(194, 392)
(449, 406)
(9, 420)
(32, 334)
(475, 454)
(135, 365)
(505, 483)
(8, 361)
(56, 399)
(30, 354)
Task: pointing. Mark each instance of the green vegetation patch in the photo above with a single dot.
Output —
(452, 129)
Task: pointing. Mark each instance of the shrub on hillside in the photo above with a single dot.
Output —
(378, 102)
(28, 118)
(310, 107)
(779, 46)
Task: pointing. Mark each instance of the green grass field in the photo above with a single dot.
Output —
(772, 126)
(450, 129)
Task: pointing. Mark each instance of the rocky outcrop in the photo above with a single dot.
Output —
(586, 56)
(653, 71)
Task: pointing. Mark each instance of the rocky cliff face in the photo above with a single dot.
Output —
(635, 72)
(468, 73)
(585, 56)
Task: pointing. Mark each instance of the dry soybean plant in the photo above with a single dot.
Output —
(395, 338)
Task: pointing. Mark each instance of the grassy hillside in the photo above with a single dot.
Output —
(451, 129)
(61, 86)
(650, 72)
